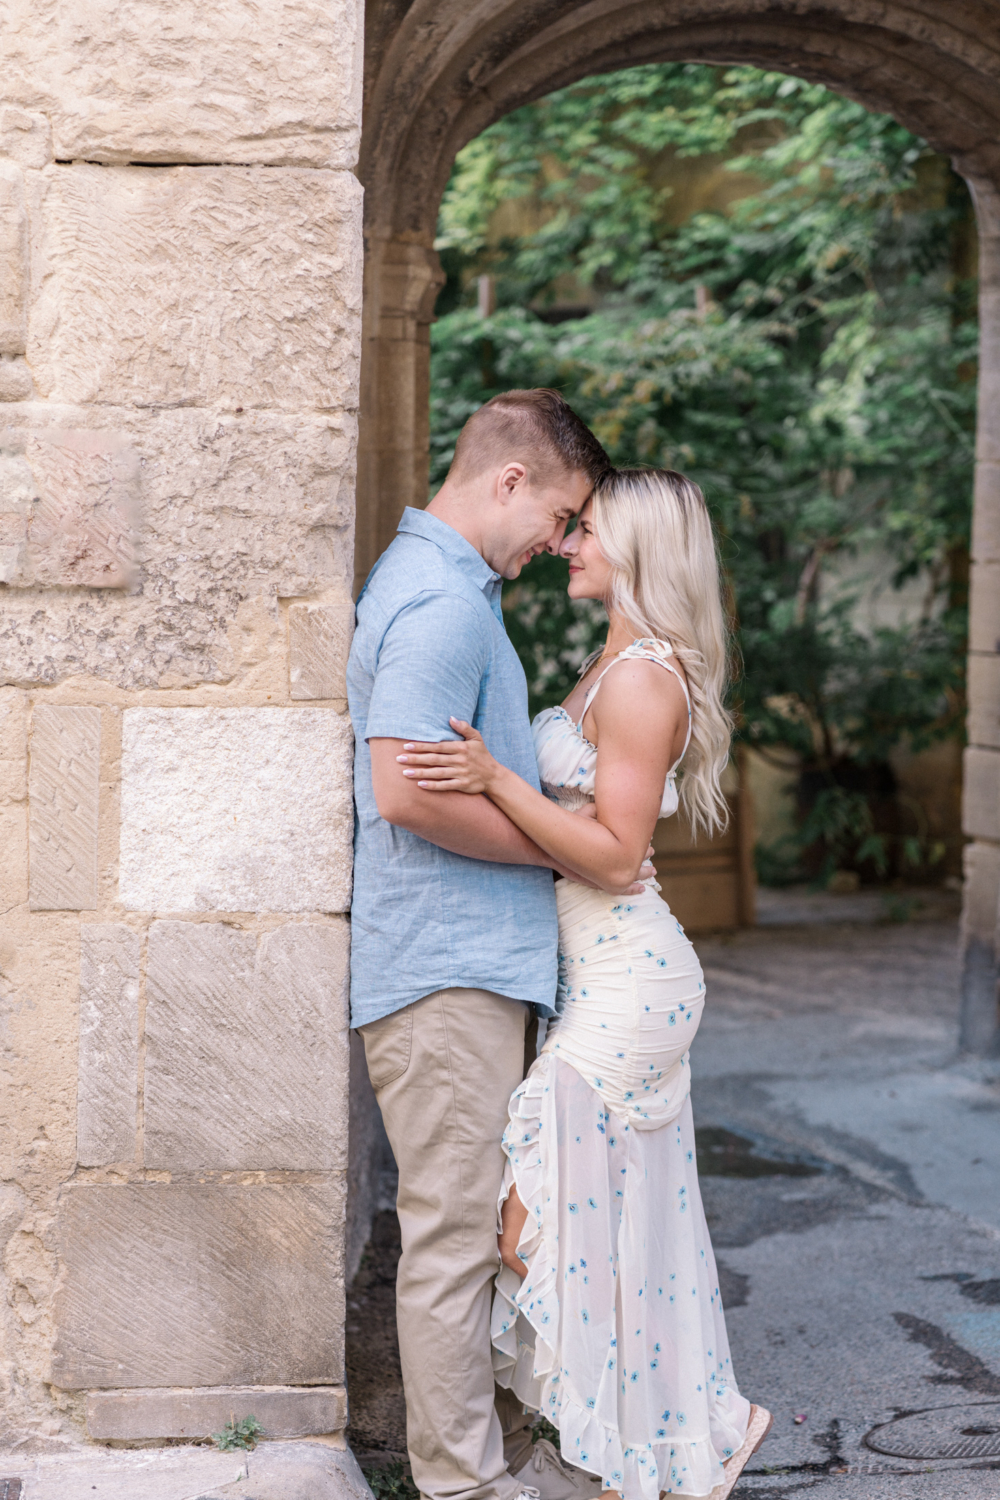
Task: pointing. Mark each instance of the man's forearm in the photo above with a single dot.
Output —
(472, 826)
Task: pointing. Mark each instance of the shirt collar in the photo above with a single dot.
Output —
(457, 550)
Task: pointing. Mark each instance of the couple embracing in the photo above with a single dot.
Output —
(555, 1256)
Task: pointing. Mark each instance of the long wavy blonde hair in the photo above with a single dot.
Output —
(654, 529)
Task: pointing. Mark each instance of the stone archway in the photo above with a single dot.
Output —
(441, 71)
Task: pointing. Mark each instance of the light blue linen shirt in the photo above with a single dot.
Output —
(430, 643)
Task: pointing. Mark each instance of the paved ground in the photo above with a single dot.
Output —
(851, 1174)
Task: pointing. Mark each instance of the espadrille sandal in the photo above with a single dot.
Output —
(758, 1427)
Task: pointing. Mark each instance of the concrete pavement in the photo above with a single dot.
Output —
(862, 1265)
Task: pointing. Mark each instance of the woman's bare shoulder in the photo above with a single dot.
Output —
(639, 690)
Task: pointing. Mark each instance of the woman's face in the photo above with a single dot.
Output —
(589, 569)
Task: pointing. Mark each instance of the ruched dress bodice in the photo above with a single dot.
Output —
(567, 761)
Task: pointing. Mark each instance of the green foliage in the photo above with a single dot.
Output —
(392, 1482)
(807, 355)
(238, 1434)
(543, 1428)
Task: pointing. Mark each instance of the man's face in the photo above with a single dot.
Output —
(532, 518)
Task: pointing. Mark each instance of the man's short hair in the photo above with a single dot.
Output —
(537, 428)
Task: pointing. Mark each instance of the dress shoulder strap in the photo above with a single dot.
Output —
(649, 649)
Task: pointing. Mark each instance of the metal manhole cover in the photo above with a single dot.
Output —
(943, 1432)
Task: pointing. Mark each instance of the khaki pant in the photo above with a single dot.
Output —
(443, 1070)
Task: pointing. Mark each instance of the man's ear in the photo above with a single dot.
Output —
(510, 477)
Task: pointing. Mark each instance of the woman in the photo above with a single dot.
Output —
(608, 1317)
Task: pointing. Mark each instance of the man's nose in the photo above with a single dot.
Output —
(554, 545)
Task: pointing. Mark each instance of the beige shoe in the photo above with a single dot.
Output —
(548, 1476)
(758, 1427)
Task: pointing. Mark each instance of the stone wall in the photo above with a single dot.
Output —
(180, 329)
(180, 300)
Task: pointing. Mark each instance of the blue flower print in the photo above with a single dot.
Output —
(584, 1315)
(573, 1208)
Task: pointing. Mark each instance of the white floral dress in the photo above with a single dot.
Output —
(617, 1332)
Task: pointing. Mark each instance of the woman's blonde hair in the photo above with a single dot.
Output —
(654, 529)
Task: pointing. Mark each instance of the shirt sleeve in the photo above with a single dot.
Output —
(430, 667)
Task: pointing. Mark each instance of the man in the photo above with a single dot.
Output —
(453, 920)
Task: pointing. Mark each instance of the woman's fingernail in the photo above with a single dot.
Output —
(409, 747)
(402, 757)
(409, 773)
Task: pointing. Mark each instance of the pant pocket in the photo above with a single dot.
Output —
(388, 1043)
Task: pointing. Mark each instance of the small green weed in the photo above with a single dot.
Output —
(241, 1434)
(544, 1429)
(391, 1482)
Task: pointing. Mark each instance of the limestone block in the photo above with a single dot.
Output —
(174, 1473)
(984, 607)
(981, 793)
(300, 1471)
(15, 380)
(201, 1284)
(986, 514)
(293, 1470)
(25, 137)
(13, 803)
(81, 527)
(236, 809)
(109, 1044)
(134, 80)
(62, 798)
(246, 1048)
(13, 260)
(239, 505)
(319, 639)
(981, 897)
(282, 1411)
(984, 700)
(232, 507)
(13, 745)
(215, 286)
